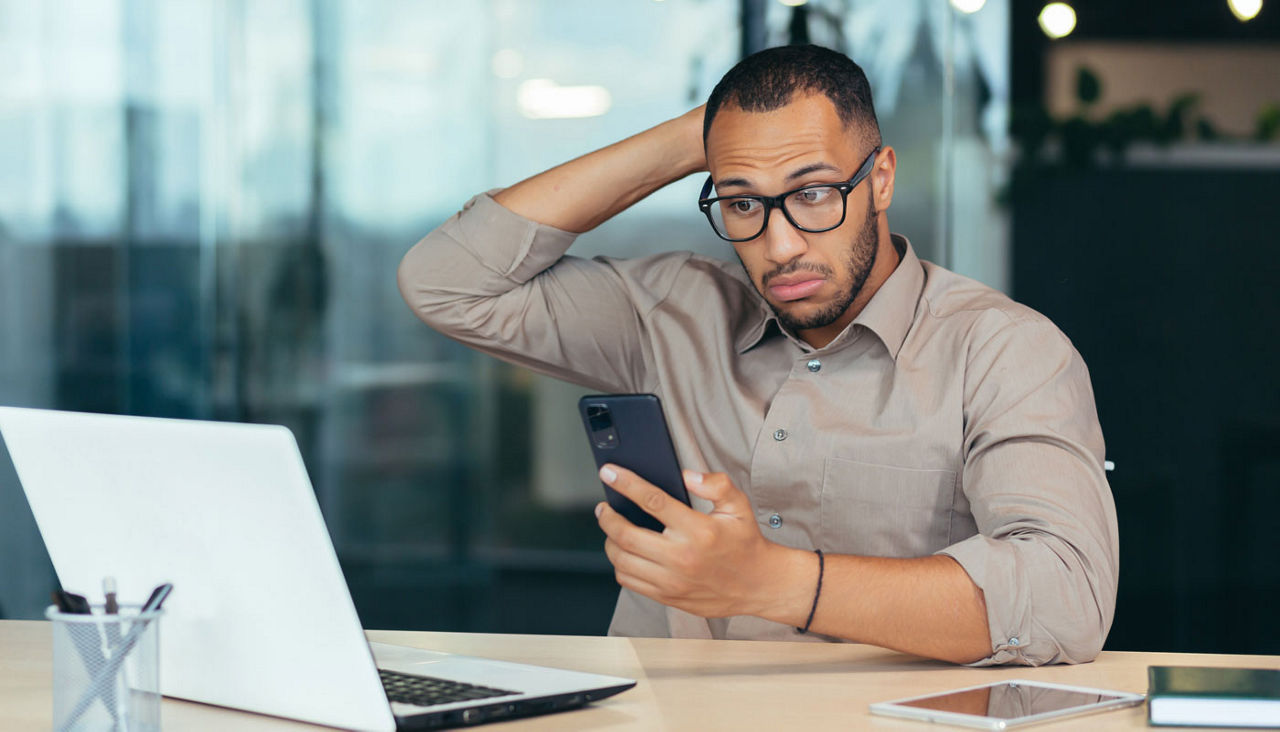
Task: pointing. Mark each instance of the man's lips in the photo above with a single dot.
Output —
(795, 289)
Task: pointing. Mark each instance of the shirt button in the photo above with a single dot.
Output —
(1014, 641)
(775, 521)
(779, 435)
(814, 365)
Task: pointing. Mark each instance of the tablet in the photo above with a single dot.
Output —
(1004, 704)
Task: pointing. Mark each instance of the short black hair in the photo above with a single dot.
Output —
(768, 79)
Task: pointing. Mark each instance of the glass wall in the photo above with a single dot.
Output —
(203, 204)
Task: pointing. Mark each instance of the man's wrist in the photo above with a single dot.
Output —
(686, 142)
(788, 580)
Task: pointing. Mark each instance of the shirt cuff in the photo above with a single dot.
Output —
(993, 567)
(506, 242)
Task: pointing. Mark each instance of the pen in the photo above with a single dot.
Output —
(112, 607)
(109, 591)
(104, 675)
(157, 598)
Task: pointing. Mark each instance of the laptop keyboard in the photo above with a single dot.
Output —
(425, 691)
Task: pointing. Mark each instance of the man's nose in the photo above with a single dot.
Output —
(783, 242)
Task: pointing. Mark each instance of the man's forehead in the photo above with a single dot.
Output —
(801, 137)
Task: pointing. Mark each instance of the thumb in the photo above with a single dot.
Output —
(717, 488)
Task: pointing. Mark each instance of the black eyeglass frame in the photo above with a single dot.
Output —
(772, 202)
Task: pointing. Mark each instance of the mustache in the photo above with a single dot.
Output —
(796, 265)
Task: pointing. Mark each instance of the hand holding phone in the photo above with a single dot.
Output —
(629, 430)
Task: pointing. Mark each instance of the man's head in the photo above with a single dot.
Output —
(791, 117)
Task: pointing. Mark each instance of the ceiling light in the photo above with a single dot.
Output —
(1245, 10)
(545, 99)
(1057, 20)
(968, 6)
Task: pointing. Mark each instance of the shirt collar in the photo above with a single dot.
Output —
(889, 314)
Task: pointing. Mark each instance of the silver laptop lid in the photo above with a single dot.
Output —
(260, 617)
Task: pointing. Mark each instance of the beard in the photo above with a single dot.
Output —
(860, 259)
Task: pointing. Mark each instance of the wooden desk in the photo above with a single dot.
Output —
(683, 684)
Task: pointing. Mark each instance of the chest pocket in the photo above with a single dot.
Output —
(877, 510)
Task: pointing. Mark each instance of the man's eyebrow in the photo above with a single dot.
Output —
(815, 167)
(732, 182)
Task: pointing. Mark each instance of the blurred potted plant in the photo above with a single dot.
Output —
(1080, 141)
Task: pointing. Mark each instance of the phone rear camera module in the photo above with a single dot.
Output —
(603, 434)
(599, 418)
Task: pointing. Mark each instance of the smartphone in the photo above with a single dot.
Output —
(629, 430)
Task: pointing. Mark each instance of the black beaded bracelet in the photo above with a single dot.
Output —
(816, 593)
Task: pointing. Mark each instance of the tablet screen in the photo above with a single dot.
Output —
(1009, 700)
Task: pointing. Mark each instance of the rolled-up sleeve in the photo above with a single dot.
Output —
(502, 284)
(1046, 555)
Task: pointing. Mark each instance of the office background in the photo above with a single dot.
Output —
(203, 203)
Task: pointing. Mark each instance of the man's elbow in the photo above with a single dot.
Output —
(430, 289)
(1070, 638)
(1080, 624)
(409, 278)
(1056, 618)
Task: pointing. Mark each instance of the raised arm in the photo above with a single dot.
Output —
(587, 191)
(495, 275)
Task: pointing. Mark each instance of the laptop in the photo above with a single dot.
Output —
(260, 618)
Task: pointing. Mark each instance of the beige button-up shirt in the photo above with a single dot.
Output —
(945, 419)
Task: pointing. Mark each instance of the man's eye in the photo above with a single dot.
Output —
(743, 206)
(812, 195)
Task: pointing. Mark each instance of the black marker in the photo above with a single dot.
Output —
(70, 602)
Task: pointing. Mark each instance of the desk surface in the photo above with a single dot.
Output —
(683, 684)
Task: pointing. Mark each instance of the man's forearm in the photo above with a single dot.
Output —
(587, 191)
(926, 606)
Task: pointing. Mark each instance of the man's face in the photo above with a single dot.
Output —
(809, 280)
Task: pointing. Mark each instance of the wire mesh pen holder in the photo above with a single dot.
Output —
(106, 670)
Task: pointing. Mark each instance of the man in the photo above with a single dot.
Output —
(902, 456)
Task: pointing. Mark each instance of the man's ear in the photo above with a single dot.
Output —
(882, 178)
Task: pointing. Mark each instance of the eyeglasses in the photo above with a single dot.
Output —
(813, 208)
